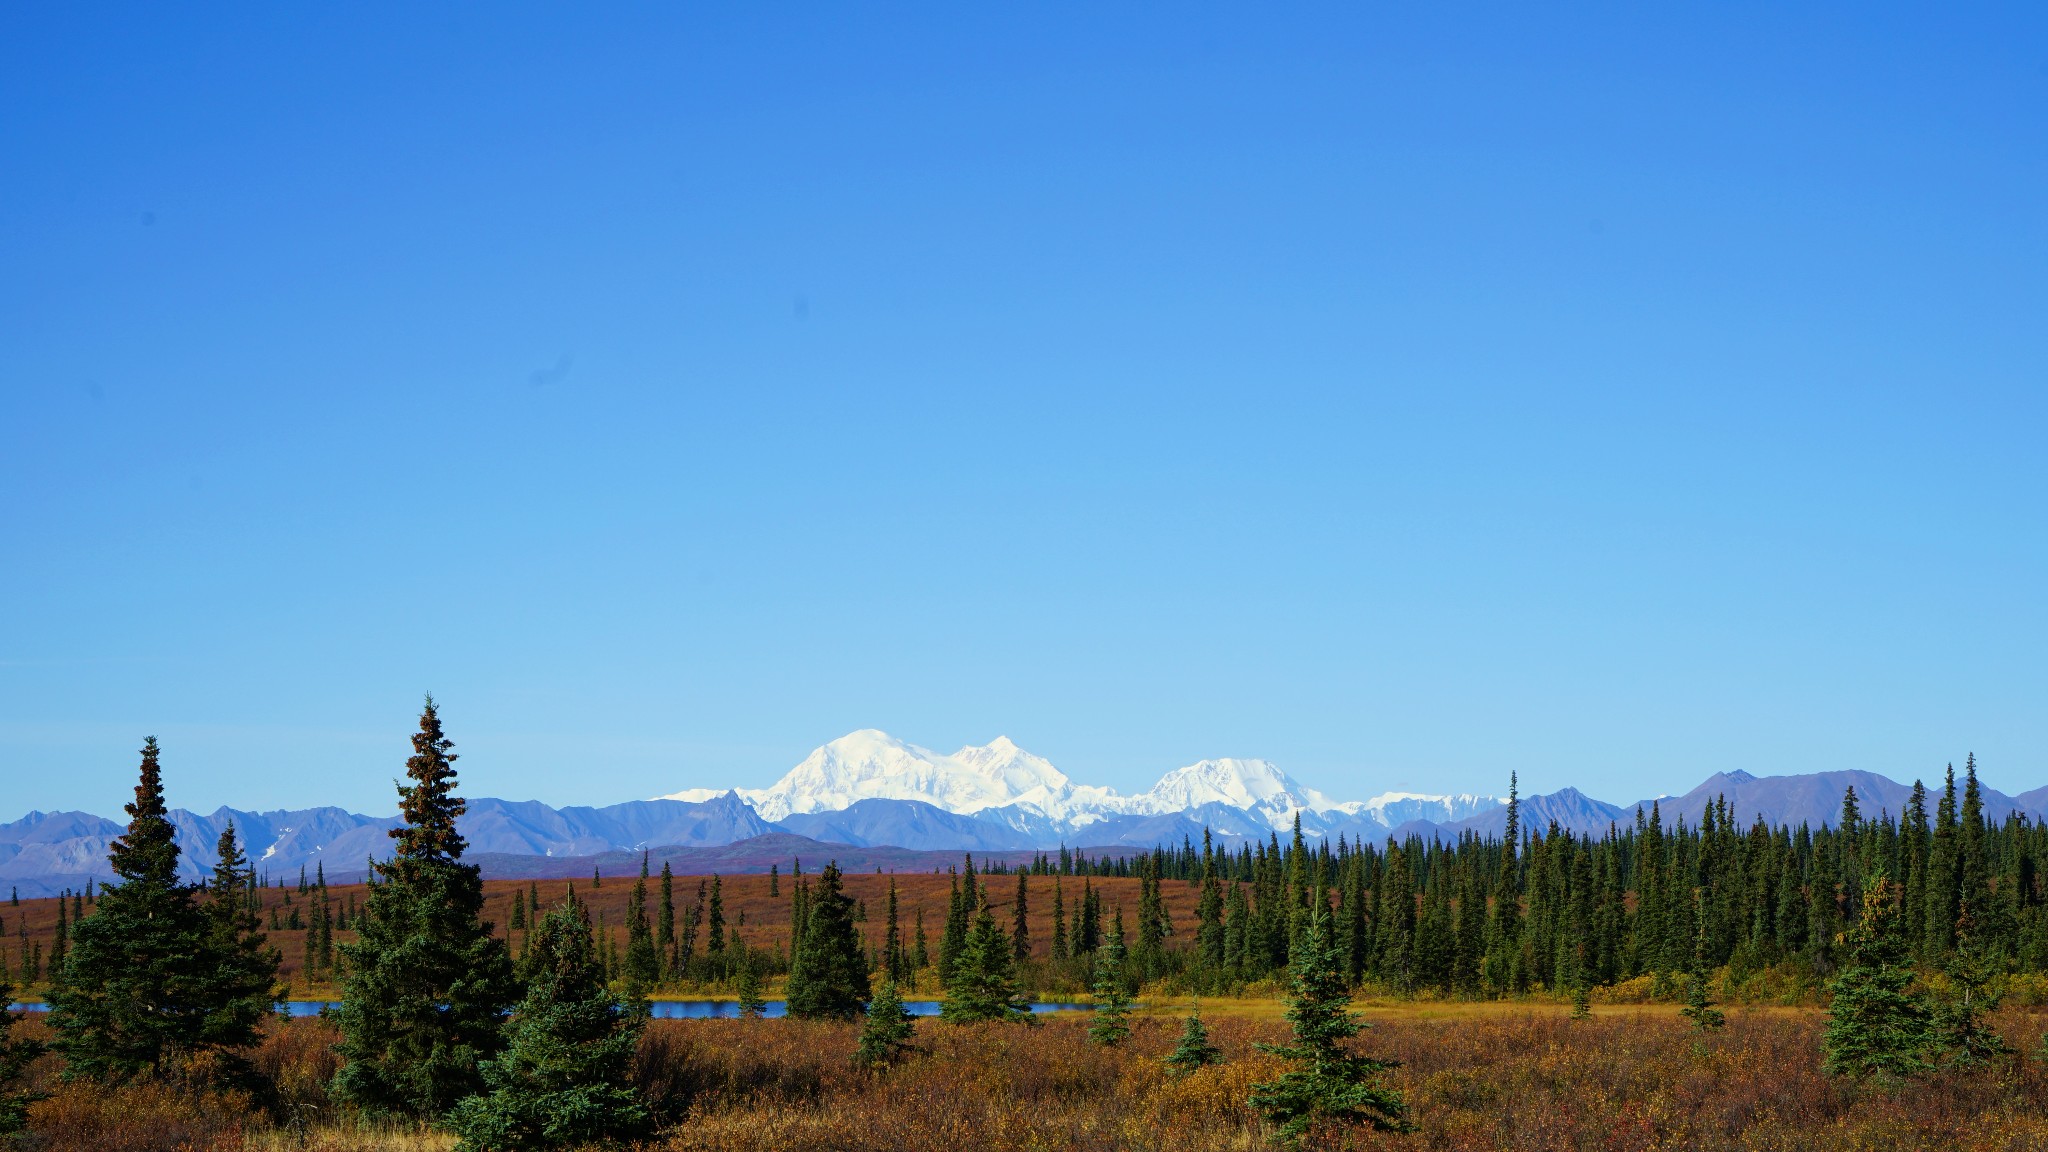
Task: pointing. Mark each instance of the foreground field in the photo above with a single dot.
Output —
(1516, 1079)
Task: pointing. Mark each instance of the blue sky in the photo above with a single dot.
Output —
(1608, 394)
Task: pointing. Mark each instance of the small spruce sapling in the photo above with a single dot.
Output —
(1325, 1084)
(565, 1078)
(1112, 1020)
(886, 1033)
(1699, 1003)
(1582, 999)
(1194, 1050)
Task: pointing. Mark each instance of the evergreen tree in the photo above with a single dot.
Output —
(1699, 1003)
(428, 985)
(15, 1057)
(1059, 922)
(1111, 1022)
(747, 991)
(241, 973)
(1957, 1024)
(564, 1078)
(1020, 930)
(1209, 917)
(953, 939)
(143, 985)
(1325, 1084)
(1194, 1050)
(1503, 964)
(643, 960)
(895, 958)
(828, 977)
(1875, 1025)
(983, 985)
(665, 920)
(886, 1033)
(1582, 998)
(714, 918)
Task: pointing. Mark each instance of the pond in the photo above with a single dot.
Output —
(661, 1009)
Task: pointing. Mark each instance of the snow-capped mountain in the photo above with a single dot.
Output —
(873, 765)
(1008, 787)
(1252, 785)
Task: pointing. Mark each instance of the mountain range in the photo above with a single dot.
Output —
(872, 791)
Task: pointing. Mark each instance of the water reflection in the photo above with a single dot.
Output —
(661, 1009)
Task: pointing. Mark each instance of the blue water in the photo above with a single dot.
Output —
(662, 1009)
(724, 1009)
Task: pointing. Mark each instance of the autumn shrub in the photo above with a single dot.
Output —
(1491, 1079)
(85, 1117)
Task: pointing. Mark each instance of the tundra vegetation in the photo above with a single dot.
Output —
(1867, 984)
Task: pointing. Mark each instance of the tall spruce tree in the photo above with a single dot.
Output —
(564, 1079)
(1324, 1084)
(242, 973)
(1020, 923)
(1503, 967)
(143, 986)
(643, 959)
(828, 978)
(427, 985)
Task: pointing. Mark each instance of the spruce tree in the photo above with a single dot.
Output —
(983, 986)
(714, 918)
(241, 974)
(1503, 962)
(1111, 1021)
(564, 1077)
(1020, 930)
(887, 1031)
(1059, 925)
(747, 991)
(895, 958)
(427, 985)
(643, 960)
(1194, 1050)
(1209, 917)
(665, 922)
(1876, 1026)
(15, 1057)
(953, 940)
(828, 978)
(143, 986)
(1957, 1023)
(1699, 1004)
(1325, 1084)
(1582, 998)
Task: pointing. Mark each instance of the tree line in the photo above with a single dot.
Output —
(440, 1022)
(442, 1019)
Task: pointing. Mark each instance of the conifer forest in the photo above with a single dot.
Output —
(1874, 982)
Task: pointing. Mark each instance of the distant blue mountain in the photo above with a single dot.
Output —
(906, 824)
(44, 853)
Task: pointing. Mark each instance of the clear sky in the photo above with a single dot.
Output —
(1613, 394)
